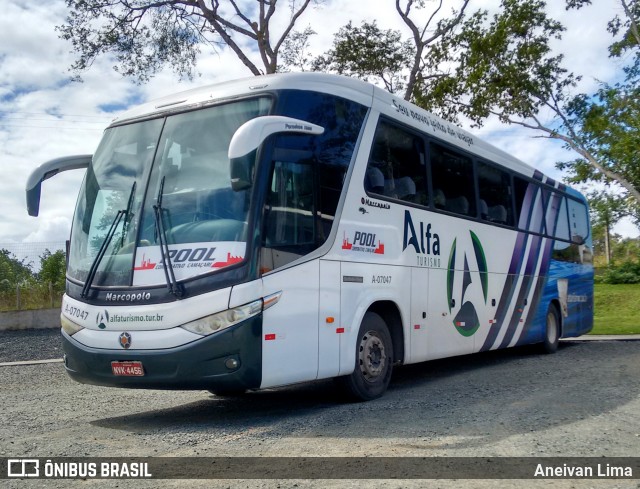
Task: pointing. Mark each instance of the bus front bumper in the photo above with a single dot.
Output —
(201, 364)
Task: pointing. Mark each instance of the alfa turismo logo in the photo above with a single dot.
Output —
(125, 340)
(102, 319)
(459, 282)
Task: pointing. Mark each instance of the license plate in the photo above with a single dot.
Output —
(127, 369)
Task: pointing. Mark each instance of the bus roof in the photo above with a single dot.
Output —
(349, 88)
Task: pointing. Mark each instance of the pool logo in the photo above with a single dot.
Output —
(466, 319)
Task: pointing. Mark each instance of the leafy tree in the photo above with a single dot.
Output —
(53, 269)
(506, 68)
(478, 66)
(501, 65)
(372, 54)
(606, 210)
(608, 127)
(425, 36)
(630, 38)
(627, 250)
(145, 35)
(13, 271)
(608, 122)
(369, 53)
(295, 53)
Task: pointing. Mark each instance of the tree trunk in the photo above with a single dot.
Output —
(607, 245)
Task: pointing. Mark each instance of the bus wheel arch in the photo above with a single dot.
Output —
(390, 313)
(373, 361)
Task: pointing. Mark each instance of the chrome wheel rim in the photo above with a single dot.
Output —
(372, 356)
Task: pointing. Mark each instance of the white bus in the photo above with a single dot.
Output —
(294, 227)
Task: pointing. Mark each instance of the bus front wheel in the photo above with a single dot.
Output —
(374, 361)
(552, 330)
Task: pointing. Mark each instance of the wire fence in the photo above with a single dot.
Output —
(21, 284)
(30, 253)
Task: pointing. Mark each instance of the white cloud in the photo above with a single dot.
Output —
(43, 116)
(54, 229)
(626, 228)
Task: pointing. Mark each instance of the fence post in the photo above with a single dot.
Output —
(51, 294)
(18, 302)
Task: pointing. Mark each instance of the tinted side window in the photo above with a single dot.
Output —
(332, 150)
(495, 195)
(290, 228)
(557, 220)
(397, 165)
(453, 181)
(579, 220)
(289, 220)
(530, 205)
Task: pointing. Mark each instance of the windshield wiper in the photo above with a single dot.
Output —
(172, 284)
(128, 215)
(107, 240)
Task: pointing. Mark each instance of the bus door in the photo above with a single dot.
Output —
(289, 232)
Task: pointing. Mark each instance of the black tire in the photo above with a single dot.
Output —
(374, 361)
(552, 330)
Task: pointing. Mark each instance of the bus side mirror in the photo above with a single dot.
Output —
(250, 135)
(47, 170)
(577, 239)
(240, 169)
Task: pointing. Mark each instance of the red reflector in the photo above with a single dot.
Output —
(269, 337)
(416, 326)
(339, 330)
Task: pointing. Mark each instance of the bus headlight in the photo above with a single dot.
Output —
(224, 319)
(69, 326)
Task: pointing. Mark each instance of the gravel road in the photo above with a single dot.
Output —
(583, 401)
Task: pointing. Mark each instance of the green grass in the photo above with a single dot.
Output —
(617, 309)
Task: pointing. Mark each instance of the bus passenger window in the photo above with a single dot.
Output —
(557, 220)
(453, 181)
(579, 221)
(397, 166)
(495, 195)
(531, 204)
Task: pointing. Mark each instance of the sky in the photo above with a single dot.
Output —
(44, 115)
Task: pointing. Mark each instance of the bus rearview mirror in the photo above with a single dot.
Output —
(240, 169)
(47, 170)
(249, 136)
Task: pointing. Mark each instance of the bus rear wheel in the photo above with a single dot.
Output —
(374, 361)
(552, 330)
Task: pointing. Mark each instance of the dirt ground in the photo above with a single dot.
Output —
(583, 401)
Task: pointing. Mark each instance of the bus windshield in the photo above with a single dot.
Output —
(181, 161)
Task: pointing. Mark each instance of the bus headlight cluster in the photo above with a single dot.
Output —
(224, 319)
(69, 326)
